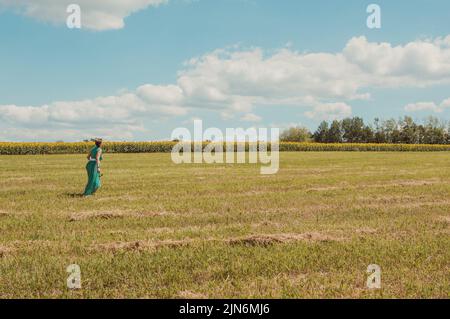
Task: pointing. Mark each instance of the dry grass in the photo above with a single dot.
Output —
(270, 239)
(156, 229)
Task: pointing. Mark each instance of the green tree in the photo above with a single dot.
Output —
(390, 131)
(409, 132)
(435, 132)
(320, 135)
(379, 135)
(405, 130)
(334, 134)
(353, 130)
(368, 135)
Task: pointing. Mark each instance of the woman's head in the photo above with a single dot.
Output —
(98, 142)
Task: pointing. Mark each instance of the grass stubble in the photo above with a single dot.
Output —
(160, 230)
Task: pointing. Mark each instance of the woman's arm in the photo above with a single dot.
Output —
(97, 158)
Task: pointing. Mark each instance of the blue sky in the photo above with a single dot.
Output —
(51, 76)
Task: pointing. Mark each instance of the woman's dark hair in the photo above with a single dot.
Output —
(98, 143)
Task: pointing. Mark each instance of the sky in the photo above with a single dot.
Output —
(139, 69)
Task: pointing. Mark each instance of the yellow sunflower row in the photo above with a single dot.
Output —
(13, 148)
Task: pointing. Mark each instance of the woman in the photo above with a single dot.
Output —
(93, 168)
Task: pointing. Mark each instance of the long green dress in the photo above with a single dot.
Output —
(94, 182)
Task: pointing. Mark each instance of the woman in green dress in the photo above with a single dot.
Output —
(93, 168)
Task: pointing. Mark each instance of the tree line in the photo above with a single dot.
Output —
(354, 130)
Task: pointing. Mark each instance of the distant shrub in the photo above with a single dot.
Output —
(296, 134)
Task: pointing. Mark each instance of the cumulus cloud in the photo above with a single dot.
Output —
(250, 117)
(329, 111)
(113, 117)
(428, 106)
(244, 78)
(286, 75)
(233, 82)
(52, 133)
(111, 109)
(418, 63)
(95, 14)
(423, 106)
(160, 94)
(446, 103)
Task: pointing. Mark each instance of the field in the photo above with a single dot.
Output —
(157, 229)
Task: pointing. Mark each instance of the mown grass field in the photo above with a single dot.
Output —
(162, 230)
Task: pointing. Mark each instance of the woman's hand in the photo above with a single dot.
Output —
(99, 154)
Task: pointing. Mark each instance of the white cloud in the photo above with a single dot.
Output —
(446, 103)
(329, 111)
(442, 41)
(233, 82)
(289, 73)
(252, 77)
(418, 63)
(52, 133)
(170, 94)
(113, 117)
(250, 117)
(95, 14)
(428, 106)
(423, 106)
(232, 75)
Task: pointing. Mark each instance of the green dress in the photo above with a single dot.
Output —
(93, 175)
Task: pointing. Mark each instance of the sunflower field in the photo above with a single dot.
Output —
(18, 148)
